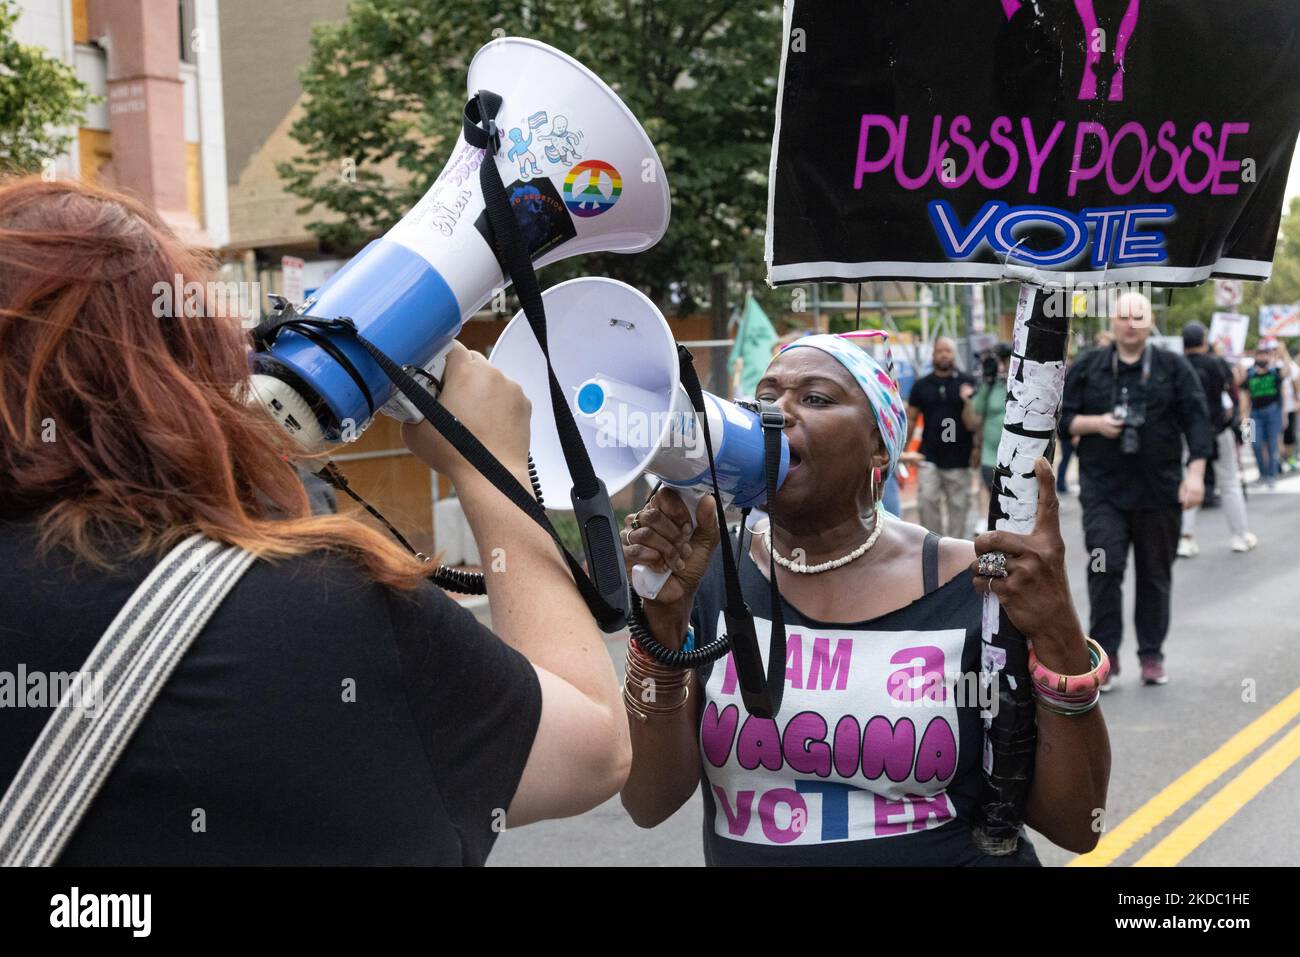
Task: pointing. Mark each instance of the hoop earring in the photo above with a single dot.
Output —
(875, 486)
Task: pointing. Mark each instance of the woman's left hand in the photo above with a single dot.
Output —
(1036, 591)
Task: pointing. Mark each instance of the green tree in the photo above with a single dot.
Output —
(1283, 285)
(39, 98)
(386, 87)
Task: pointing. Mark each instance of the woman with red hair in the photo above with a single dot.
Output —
(336, 708)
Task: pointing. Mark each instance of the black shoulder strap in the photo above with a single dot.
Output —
(610, 617)
(590, 499)
(761, 693)
(930, 562)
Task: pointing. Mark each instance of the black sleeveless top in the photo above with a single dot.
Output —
(874, 758)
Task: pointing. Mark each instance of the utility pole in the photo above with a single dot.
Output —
(719, 374)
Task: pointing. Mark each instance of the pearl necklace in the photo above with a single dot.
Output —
(803, 569)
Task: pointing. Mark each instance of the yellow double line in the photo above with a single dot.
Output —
(1210, 816)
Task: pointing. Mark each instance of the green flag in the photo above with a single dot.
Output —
(754, 341)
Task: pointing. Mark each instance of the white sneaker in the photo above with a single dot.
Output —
(1244, 543)
(1187, 547)
(1109, 684)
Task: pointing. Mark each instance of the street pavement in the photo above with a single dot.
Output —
(1205, 769)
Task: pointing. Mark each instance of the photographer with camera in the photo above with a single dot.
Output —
(1133, 406)
(983, 412)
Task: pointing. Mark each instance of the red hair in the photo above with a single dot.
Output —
(113, 419)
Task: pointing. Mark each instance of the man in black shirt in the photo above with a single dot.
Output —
(1216, 379)
(945, 443)
(1132, 406)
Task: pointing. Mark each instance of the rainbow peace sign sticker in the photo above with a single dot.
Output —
(591, 188)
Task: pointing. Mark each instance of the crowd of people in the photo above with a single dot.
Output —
(339, 708)
(107, 466)
(1157, 436)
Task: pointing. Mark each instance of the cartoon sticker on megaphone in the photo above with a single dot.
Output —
(573, 161)
(616, 361)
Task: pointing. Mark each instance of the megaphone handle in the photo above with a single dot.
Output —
(399, 407)
(647, 581)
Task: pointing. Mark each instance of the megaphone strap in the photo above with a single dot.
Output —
(609, 617)
(590, 499)
(481, 131)
(761, 694)
(285, 317)
(480, 121)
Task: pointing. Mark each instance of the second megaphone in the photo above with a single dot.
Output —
(616, 361)
(580, 176)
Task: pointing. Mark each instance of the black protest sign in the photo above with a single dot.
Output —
(1113, 140)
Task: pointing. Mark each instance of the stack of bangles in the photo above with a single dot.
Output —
(1070, 695)
(650, 688)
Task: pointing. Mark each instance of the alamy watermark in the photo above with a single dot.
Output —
(191, 300)
(924, 687)
(83, 690)
(1089, 300)
(624, 427)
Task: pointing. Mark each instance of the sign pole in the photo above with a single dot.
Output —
(1035, 385)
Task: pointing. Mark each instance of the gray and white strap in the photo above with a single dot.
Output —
(105, 703)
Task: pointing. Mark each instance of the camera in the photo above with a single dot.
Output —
(1130, 439)
(991, 362)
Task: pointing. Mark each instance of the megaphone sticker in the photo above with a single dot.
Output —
(520, 152)
(591, 188)
(562, 142)
(543, 221)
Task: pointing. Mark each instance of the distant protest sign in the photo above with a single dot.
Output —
(1282, 322)
(1113, 140)
(1228, 330)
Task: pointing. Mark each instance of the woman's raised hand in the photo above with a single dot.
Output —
(664, 538)
(491, 406)
(1036, 591)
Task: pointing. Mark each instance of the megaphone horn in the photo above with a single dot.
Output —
(616, 360)
(568, 144)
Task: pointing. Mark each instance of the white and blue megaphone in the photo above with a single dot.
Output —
(580, 175)
(615, 358)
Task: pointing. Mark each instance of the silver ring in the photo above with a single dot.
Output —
(635, 522)
(992, 565)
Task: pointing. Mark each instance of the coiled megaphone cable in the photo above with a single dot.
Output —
(444, 576)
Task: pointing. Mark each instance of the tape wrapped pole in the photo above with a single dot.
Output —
(1035, 383)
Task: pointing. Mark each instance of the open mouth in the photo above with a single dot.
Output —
(795, 459)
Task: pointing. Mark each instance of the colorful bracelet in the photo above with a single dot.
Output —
(1072, 710)
(1064, 700)
(1072, 686)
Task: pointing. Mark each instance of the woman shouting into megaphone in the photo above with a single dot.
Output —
(874, 757)
(333, 707)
